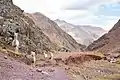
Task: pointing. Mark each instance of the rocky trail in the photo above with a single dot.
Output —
(79, 67)
(11, 69)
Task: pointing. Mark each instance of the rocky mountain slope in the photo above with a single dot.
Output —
(83, 34)
(55, 33)
(30, 36)
(110, 42)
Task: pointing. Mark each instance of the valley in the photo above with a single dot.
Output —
(55, 50)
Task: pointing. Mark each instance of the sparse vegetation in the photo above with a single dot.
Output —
(109, 77)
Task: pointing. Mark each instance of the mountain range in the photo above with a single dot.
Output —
(83, 34)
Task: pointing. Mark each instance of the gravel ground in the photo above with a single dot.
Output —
(11, 69)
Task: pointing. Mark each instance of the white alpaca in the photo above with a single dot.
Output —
(34, 58)
(45, 55)
(16, 42)
(31, 56)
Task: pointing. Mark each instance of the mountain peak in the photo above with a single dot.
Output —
(62, 21)
(37, 13)
(116, 26)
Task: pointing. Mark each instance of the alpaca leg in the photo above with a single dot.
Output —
(34, 59)
(16, 49)
(51, 54)
(13, 42)
(45, 55)
(17, 46)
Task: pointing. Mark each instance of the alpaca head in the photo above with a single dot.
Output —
(15, 35)
(32, 53)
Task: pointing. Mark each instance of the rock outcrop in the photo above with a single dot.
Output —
(30, 36)
(110, 42)
(55, 33)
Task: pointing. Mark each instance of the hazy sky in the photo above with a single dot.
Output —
(103, 13)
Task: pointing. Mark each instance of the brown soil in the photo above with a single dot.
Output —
(80, 66)
(109, 42)
(11, 69)
(88, 66)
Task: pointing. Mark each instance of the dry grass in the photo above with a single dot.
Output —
(118, 61)
(8, 51)
(109, 77)
(98, 54)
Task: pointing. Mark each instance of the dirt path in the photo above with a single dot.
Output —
(11, 69)
(80, 67)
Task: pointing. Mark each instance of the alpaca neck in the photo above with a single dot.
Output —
(16, 36)
(45, 54)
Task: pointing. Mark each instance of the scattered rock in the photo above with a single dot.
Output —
(113, 60)
(3, 47)
(80, 77)
(43, 72)
(86, 77)
(67, 68)
(39, 70)
(118, 71)
(77, 73)
(56, 64)
(74, 76)
(51, 70)
(99, 71)
(105, 75)
(5, 57)
(58, 59)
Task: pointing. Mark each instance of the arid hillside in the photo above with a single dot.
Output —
(110, 42)
(55, 33)
(30, 36)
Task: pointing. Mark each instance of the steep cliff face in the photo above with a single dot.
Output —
(30, 36)
(55, 33)
(110, 42)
